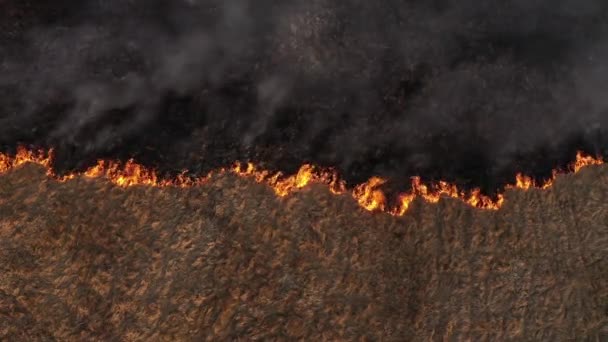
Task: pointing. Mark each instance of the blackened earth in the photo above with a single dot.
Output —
(448, 90)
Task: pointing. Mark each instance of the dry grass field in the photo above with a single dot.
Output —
(85, 260)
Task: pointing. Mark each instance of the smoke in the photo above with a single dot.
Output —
(100, 67)
(461, 90)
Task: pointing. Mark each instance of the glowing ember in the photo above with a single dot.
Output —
(368, 195)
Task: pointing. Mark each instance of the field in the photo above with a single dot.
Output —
(228, 260)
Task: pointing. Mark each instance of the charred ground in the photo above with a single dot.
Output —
(455, 90)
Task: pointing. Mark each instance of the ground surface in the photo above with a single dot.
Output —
(85, 260)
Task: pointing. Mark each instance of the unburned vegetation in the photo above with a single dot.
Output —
(228, 260)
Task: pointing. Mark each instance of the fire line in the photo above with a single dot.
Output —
(368, 195)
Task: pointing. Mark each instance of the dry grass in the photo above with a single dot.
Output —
(84, 260)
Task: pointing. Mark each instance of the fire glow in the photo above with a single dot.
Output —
(368, 195)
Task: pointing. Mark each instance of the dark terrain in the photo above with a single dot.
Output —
(85, 260)
(459, 90)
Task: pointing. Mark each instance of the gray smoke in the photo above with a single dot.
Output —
(348, 83)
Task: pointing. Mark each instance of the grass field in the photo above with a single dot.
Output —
(228, 260)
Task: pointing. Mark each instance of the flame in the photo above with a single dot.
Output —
(24, 156)
(404, 204)
(584, 161)
(368, 195)
(524, 182)
(283, 186)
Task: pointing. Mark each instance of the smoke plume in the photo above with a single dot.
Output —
(464, 90)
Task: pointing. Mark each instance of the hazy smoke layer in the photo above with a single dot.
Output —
(465, 90)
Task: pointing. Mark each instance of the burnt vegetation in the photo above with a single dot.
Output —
(465, 92)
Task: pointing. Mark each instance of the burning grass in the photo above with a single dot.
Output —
(369, 195)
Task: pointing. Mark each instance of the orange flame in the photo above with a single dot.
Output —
(24, 156)
(524, 182)
(368, 195)
(283, 186)
(584, 161)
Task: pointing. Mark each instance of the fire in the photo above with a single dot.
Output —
(368, 195)
(283, 186)
(24, 156)
(131, 174)
(584, 161)
(524, 182)
(404, 204)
